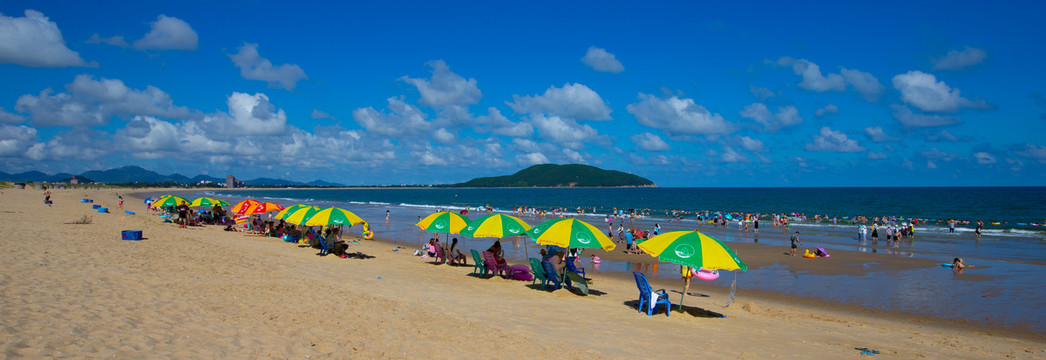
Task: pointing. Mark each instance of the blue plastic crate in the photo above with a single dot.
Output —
(131, 235)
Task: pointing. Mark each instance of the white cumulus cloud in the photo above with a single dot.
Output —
(90, 102)
(958, 60)
(168, 33)
(649, 142)
(753, 145)
(925, 93)
(498, 124)
(876, 134)
(15, 140)
(677, 116)
(601, 60)
(984, 158)
(249, 115)
(784, 117)
(254, 67)
(445, 87)
(812, 78)
(575, 101)
(911, 119)
(827, 109)
(404, 119)
(534, 158)
(35, 41)
(9, 118)
(565, 132)
(1035, 152)
(317, 114)
(829, 140)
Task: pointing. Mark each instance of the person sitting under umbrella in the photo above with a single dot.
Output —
(454, 256)
(499, 254)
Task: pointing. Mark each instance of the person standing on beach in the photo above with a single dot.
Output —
(47, 196)
(387, 214)
(951, 226)
(980, 225)
(120, 202)
(183, 214)
(795, 244)
(755, 224)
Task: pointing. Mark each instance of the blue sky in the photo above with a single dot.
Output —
(753, 94)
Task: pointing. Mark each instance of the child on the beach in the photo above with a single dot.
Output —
(795, 244)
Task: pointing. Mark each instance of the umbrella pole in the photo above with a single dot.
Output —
(686, 289)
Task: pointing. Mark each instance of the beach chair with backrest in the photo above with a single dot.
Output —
(551, 276)
(492, 265)
(646, 296)
(539, 272)
(571, 266)
(478, 260)
(324, 248)
(441, 257)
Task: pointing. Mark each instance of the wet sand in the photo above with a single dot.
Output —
(77, 290)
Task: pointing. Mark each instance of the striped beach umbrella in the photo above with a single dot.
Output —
(242, 206)
(208, 202)
(301, 215)
(497, 225)
(170, 200)
(696, 250)
(333, 216)
(570, 233)
(263, 208)
(283, 214)
(444, 222)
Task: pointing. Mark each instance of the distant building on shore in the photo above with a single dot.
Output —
(231, 182)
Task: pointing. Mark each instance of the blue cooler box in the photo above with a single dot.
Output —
(131, 234)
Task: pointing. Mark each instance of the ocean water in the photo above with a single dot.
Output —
(1011, 256)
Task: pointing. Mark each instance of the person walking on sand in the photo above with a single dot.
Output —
(795, 244)
(120, 202)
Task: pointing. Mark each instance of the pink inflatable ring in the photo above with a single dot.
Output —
(707, 275)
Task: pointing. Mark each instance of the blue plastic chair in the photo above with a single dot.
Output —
(574, 268)
(551, 277)
(645, 294)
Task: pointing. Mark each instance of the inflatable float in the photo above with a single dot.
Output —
(809, 255)
(707, 275)
(368, 234)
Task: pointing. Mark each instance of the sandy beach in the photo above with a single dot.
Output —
(76, 290)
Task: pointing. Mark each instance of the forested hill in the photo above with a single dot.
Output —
(551, 175)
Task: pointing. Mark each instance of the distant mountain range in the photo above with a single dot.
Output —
(552, 175)
(136, 174)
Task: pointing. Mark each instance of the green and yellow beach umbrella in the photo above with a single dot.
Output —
(570, 233)
(169, 200)
(208, 202)
(444, 222)
(694, 249)
(301, 215)
(333, 216)
(283, 214)
(497, 225)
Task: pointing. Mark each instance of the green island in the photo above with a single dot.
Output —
(552, 175)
